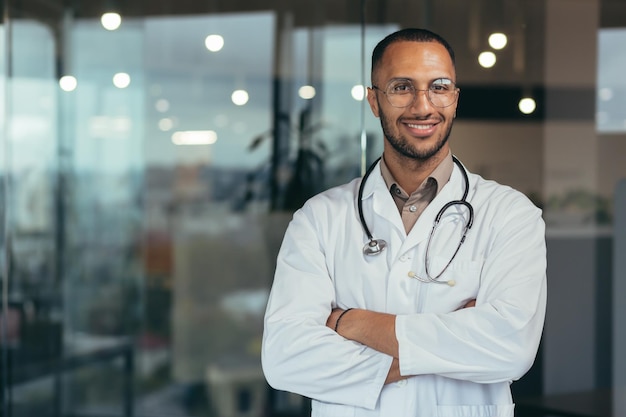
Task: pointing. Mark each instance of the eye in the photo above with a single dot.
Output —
(442, 85)
(400, 87)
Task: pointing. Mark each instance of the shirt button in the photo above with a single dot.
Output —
(401, 383)
(412, 209)
(404, 258)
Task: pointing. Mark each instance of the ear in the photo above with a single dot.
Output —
(371, 99)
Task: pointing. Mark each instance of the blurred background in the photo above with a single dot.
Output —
(153, 152)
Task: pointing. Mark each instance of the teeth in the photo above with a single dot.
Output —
(421, 127)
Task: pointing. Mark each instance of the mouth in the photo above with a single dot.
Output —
(421, 129)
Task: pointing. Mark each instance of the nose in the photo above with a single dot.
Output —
(421, 101)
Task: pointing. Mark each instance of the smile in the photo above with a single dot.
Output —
(419, 127)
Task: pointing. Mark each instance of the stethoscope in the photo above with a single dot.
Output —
(376, 246)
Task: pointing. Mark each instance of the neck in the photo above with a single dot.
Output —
(410, 173)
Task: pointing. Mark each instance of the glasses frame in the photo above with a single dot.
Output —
(428, 91)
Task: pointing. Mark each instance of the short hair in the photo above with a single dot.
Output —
(411, 35)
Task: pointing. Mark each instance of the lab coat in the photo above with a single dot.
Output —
(462, 361)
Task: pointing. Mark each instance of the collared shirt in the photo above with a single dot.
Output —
(412, 206)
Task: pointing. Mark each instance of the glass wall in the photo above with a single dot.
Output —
(150, 166)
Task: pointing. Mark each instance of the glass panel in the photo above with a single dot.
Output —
(101, 166)
(160, 251)
(207, 212)
(32, 294)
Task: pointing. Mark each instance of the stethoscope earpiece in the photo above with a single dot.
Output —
(449, 283)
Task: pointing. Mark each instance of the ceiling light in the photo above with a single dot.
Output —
(358, 92)
(497, 40)
(239, 97)
(166, 124)
(111, 20)
(306, 92)
(121, 80)
(214, 43)
(527, 105)
(487, 59)
(68, 83)
(194, 137)
(162, 105)
(605, 94)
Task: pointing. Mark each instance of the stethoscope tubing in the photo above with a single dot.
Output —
(376, 246)
(360, 199)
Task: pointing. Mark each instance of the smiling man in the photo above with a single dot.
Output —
(437, 314)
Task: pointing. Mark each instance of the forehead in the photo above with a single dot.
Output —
(418, 61)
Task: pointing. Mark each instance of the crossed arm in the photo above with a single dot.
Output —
(372, 329)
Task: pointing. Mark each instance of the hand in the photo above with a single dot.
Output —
(470, 303)
(394, 372)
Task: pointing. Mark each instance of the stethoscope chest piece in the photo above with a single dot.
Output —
(374, 247)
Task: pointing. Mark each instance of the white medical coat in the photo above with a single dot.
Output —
(462, 360)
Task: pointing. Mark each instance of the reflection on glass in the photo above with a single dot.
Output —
(611, 98)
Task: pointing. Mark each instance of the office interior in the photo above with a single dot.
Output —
(152, 154)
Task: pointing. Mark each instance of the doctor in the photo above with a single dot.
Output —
(374, 311)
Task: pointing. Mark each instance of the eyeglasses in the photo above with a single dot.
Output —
(402, 93)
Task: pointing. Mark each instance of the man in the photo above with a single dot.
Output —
(434, 324)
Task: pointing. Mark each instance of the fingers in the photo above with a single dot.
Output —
(470, 303)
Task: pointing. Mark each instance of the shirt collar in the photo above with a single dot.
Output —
(441, 175)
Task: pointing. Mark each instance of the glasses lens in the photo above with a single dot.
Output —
(400, 93)
(442, 92)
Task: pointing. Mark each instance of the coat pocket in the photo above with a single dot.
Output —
(463, 278)
(320, 409)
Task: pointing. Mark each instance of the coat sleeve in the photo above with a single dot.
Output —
(299, 353)
(497, 340)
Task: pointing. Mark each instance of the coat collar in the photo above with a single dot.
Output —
(385, 221)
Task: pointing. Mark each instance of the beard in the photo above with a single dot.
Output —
(403, 146)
